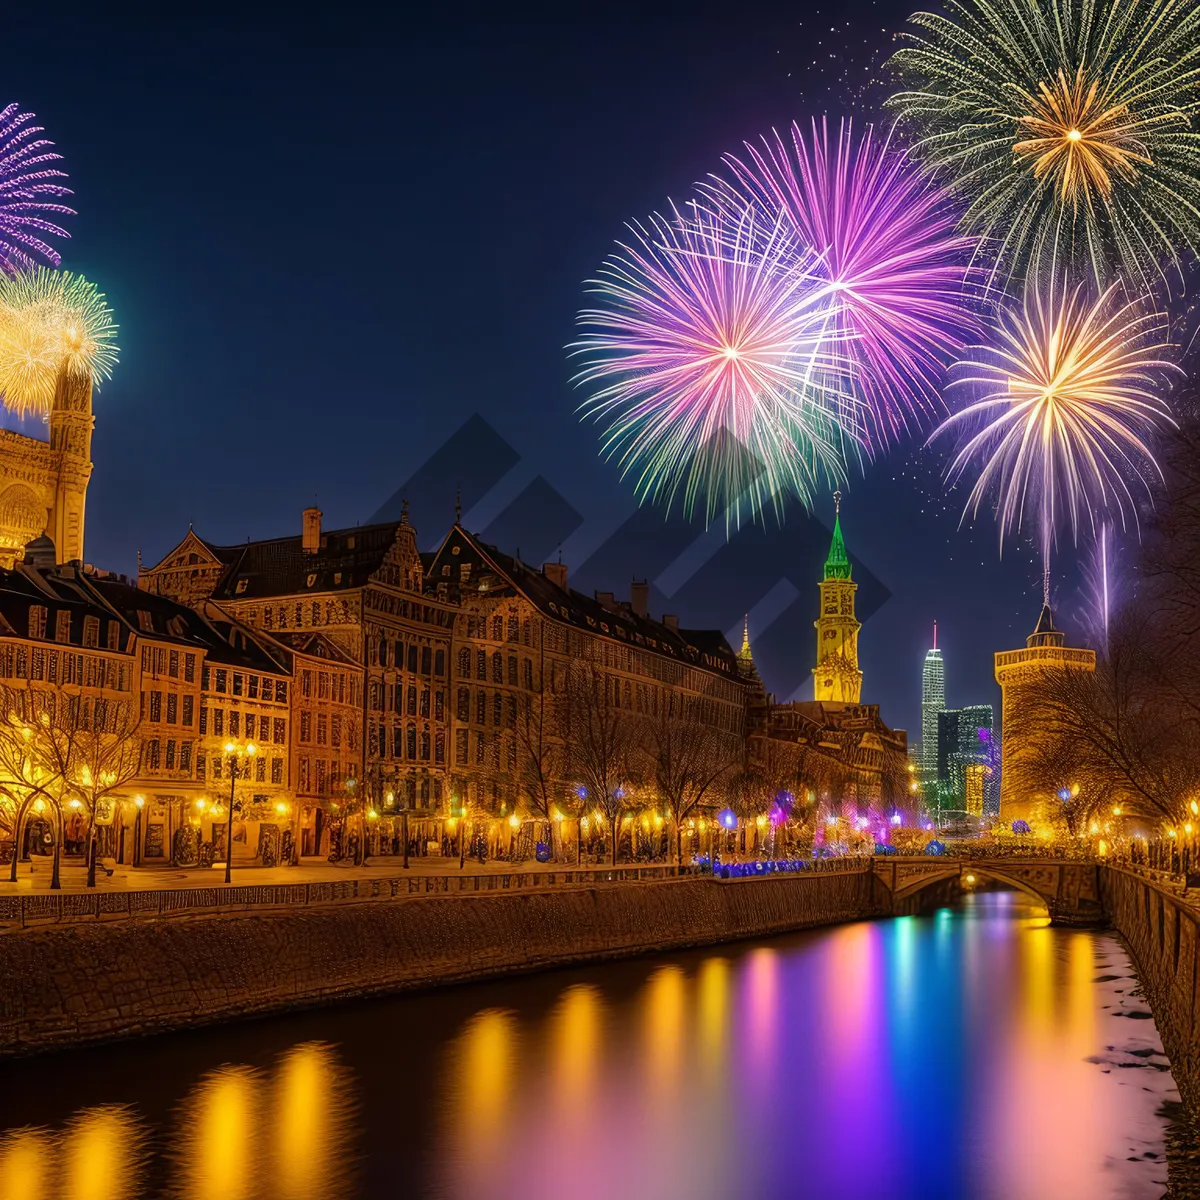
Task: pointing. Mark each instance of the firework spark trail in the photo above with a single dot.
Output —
(883, 236)
(1072, 396)
(1101, 595)
(1067, 126)
(28, 184)
(716, 365)
(51, 321)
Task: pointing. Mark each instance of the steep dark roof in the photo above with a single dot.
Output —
(58, 591)
(499, 572)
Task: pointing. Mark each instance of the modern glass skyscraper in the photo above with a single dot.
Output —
(933, 701)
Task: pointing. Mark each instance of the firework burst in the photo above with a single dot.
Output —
(1069, 399)
(1067, 126)
(883, 239)
(714, 365)
(28, 189)
(51, 322)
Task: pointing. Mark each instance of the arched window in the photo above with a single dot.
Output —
(464, 663)
(497, 667)
(481, 707)
(512, 670)
(497, 629)
(514, 629)
(383, 652)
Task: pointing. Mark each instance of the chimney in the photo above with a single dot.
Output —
(556, 573)
(310, 539)
(605, 599)
(671, 621)
(639, 597)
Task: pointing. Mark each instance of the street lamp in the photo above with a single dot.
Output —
(139, 804)
(233, 755)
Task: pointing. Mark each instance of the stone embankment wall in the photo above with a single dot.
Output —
(61, 986)
(1162, 933)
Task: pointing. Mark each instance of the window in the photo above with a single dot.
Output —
(514, 629)
(239, 683)
(114, 636)
(156, 706)
(260, 770)
(439, 664)
(464, 663)
(512, 712)
(203, 716)
(185, 756)
(412, 741)
(399, 654)
(304, 773)
(268, 617)
(439, 705)
(216, 767)
(397, 742)
(480, 749)
(412, 700)
(381, 651)
(306, 684)
(412, 659)
(398, 698)
(281, 690)
(461, 749)
(170, 763)
(497, 667)
(528, 665)
(425, 702)
(323, 685)
(218, 722)
(425, 745)
(335, 732)
(37, 621)
(306, 727)
(206, 679)
(277, 770)
(481, 707)
(268, 690)
(250, 723)
(222, 679)
(498, 709)
(497, 628)
(426, 660)
(173, 664)
(512, 670)
(279, 732)
(253, 685)
(62, 626)
(172, 708)
(189, 666)
(439, 747)
(481, 665)
(235, 726)
(152, 754)
(464, 704)
(322, 730)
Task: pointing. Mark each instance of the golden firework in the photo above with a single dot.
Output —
(1081, 139)
(51, 322)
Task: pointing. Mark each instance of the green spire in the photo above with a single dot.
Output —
(837, 565)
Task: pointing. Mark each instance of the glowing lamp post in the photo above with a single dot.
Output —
(234, 753)
(139, 803)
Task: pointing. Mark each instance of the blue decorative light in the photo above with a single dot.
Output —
(728, 818)
(1020, 827)
(935, 847)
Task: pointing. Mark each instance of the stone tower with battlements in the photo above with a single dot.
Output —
(836, 677)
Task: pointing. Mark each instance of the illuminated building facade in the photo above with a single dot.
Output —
(1018, 672)
(836, 677)
(933, 702)
(967, 773)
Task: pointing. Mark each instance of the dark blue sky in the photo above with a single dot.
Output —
(331, 236)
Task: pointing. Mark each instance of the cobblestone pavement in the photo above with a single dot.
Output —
(36, 877)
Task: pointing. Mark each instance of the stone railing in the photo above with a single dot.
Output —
(59, 908)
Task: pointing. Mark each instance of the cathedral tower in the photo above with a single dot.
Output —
(71, 425)
(836, 677)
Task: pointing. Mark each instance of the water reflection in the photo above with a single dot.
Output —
(966, 1055)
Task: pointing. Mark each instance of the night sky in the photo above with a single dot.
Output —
(332, 237)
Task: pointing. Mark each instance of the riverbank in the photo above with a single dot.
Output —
(62, 986)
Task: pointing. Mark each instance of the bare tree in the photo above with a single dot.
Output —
(81, 749)
(602, 742)
(539, 757)
(691, 763)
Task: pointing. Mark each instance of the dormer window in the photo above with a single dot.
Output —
(91, 631)
(62, 626)
(37, 621)
(240, 586)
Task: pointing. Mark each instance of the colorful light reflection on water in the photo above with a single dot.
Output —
(974, 1053)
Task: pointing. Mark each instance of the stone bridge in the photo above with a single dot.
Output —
(1070, 890)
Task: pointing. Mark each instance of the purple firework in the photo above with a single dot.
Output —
(884, 237)
(26, 180)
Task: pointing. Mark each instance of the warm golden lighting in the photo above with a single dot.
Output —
(229, 747)
(26, 1165)
(140, 801)
(515, 821)
(969, 878)
(1195, 809)
(310, 1127)
(101, 1144)
(281, 808)
(219, 1153)
(1082, 141)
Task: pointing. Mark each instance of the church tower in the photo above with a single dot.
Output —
(836, 677)
(71, 425)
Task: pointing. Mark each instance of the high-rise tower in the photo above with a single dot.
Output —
(933, 701)
(836, 677)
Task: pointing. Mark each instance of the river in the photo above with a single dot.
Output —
(971, 1053)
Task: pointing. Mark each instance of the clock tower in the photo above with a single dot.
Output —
(836, 677)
